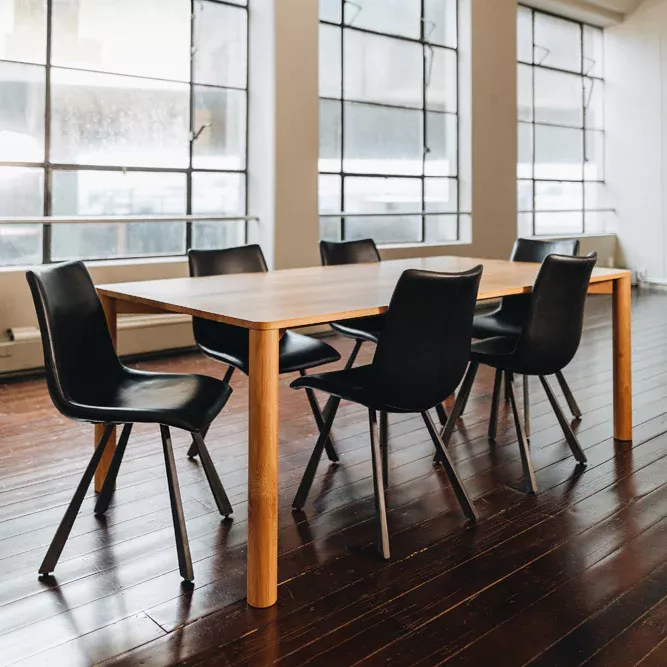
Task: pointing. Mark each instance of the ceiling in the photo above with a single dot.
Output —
(601, 12)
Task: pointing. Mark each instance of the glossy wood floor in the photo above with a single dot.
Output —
(577, 575)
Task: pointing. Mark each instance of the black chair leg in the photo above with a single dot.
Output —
(353, 357)
(192, 452)
(526, 459)
(461, 400)
(58, 543)
(103, 500)
(309, 475)
(319, 420)
(442, 413)
(454, 479)
(569, 397)
(218, 491)
(495, 400)
(572, 441)
(509, 378)
(526, 406)
(180, 531)
(384, 446)
(378, 487)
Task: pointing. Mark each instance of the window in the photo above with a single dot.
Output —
(118, 108)
(389, 121)
(561, 187)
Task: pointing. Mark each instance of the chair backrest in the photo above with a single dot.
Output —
(363, 251)
(79, 355)
(552, 331)
(424, 349)
(536, 250)
(244, 259)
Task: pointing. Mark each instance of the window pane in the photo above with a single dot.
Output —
(525, 195)
(330, 64)
(221, 44)
(440, 195)
(594, 97)
(441, 144)
(594, 167)
(383, 195)
(525, 167)
(524, 35)
(593, 51)
(329, 197)
(92, 193)
(559, 153)
(557, 42)
(596, 196)
(525, 93)
(380, 140)
(558, 98)
(104, 119)
(555, 196)
(21, 194)
(441, 228)
(23, 31)
(21, 112)
(598, 222)
(218, 194)
(396, 17)
(441, 81)
(123, 36)
(440, 22)
(525, 224)
(330, 10)
(382, 70)
(221, 116)
(330, 136)
(559, 223)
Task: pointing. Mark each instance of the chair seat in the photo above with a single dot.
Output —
(354, 385)
(497, 352)
(296, 352)
(189, 402)
(361, 328)
(492, 325)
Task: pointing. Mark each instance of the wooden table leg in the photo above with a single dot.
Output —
(109, 306)
(622, 359)
(262, 583)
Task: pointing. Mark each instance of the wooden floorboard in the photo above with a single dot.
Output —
(575, 576)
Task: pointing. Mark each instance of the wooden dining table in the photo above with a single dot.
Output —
(269, 303)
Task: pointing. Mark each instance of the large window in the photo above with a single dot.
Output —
(561, 186)
(121, 107)
(389, 120)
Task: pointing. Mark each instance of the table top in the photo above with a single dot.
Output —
(316, 295)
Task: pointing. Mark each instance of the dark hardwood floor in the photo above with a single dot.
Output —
(576, 575)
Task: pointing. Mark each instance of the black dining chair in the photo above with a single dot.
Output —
(549, 339)
(509, 318)
(229, 344)
(421, 356)
(88, 383)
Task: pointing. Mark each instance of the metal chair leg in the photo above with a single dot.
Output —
(569, 397)
(509, 378)
(58, 543)
(353, 357)
(384, 446)
(109, 485)
(378, 487)
(572, 441)
(442, 414)
(495, 400)
(319, 420)
(454, 479)
(180, 531)
(309, 475)
(221, 499)
(526, 406)
(461, 400)
(192, 452)
(524, 449)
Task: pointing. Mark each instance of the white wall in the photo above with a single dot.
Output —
(636, 57)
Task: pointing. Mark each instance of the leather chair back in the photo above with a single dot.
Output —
(349, 252)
